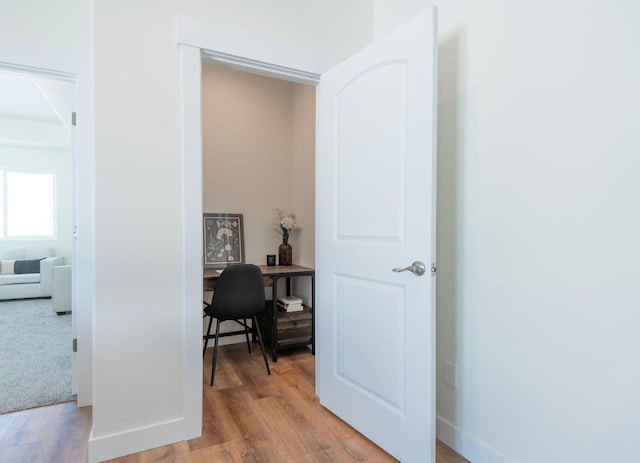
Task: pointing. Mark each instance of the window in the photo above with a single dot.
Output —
(27, 204)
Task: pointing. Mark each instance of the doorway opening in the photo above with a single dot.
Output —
(36, 218)
(193, 58)
(359, 124)
(45, 62)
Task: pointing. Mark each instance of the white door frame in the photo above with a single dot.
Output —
(55, 62)
(244, 51)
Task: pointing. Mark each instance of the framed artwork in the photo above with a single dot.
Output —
(223, 240)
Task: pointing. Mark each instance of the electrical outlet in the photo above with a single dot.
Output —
(450, 374)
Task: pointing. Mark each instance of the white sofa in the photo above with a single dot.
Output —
(61, 295)
(14, 284)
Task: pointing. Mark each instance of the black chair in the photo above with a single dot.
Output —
(238, 296)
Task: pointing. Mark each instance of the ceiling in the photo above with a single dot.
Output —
(34, 109)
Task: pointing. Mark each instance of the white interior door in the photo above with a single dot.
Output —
(376, 212)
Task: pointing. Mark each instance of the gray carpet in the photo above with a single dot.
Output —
(35, 355)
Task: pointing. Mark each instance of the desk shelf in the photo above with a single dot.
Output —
(293, 329)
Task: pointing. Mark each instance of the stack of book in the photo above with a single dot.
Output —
(290, 303)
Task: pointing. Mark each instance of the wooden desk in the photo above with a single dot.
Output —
(281, 330)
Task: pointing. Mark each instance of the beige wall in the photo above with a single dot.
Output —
(258, 156)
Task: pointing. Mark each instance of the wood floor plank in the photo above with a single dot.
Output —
(289, 430)
(47, 434)
(347, 442)
(445, 454)
(228, 452)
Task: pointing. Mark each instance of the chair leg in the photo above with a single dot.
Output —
(206, 339)
(215, 351)
(246, 333)
(264, 355)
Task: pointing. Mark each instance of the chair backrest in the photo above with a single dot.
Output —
(239, 293)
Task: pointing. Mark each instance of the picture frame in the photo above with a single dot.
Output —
(223, 240)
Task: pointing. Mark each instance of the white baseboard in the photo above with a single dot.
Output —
(136, 440)
(466, 445)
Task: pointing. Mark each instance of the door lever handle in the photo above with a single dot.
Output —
(417, 268)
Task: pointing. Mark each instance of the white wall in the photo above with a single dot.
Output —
(61, 24)
(139, 315)
(538, 225)
(537, 232)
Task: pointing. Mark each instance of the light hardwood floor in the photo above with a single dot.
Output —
(54, 434)
(247, 417)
